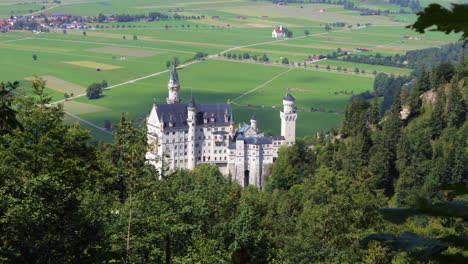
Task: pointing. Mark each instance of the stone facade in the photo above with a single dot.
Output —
(184, 135)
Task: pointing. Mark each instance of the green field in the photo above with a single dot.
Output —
(70, 60)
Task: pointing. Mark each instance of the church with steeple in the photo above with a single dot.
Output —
(181, 136)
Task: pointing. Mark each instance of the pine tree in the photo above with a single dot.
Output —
(375, 112)
(456, 107)
(437, 121)
(421, 86)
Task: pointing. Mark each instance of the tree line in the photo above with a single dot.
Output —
(155, 16)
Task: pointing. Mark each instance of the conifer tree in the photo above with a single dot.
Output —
(422, 85)
(456, 107)
(437, 121)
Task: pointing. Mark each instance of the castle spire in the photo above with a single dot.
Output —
(173, 87)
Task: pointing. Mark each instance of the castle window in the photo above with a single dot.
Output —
(173, 132)
(167, 133)
(201, 129)
(215, 158)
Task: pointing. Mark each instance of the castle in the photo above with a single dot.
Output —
(181, 136)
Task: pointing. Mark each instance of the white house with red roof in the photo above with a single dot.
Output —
(278, 32)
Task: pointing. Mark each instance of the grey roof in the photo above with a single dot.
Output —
(216, 111)
(289, 97)
(275, 138)
(220, 132)
(174, 75)
(256, 140)
(253, 117)
(172, 113)
(177, 114)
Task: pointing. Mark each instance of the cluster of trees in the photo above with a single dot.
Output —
(424, 62)
(26, 25)
(94, 90)
(396, 60)
(414, 5)
(430, 57)
(247, 56)
(152, 16)
(64, 200)
(174, 62)
(200, 55)
(414, 59)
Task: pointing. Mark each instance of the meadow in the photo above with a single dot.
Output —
(69, 61)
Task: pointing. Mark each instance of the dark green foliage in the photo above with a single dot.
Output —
(442, 74)
(380, 84)
(8, 119)
(456, 107)
(356, 117)
(294, 164)
(445, 20)
(422, 85)
(47, 168)
(94, 90)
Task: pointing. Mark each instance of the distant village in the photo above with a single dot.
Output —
(42, 22)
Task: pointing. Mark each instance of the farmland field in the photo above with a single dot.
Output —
(133, 56)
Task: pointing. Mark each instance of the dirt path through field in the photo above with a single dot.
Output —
(262, 85)
(89, 123)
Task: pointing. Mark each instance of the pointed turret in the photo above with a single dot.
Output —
(253, 122)
(174, 75)
(173, 87)
(192, 104)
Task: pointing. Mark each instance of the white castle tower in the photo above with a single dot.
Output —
(253, 122)
(191, 122)
(174, 87)
(288, 119)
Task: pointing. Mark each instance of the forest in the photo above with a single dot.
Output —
(65, 201)
(387, 187)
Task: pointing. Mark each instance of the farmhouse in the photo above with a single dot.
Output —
(181, 136)
(278, 32)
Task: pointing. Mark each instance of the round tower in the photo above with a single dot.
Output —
(288, 119)
(191, 122)
(173, 86)
(253, 122)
